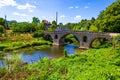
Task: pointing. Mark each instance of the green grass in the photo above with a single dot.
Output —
(17, 41)
(10, 46)
(93, 64)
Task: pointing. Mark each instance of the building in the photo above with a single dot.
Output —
(47, 24)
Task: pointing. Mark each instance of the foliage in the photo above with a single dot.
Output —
(24, 27)
(101, 64)
(53, 26)
(109, 20)
(1, 29)
(35, 20)
(38, 34)
(93, 28)
(101, 43)
(65, 53)
(2, 21)
(41, 26)
(116, 41)
(3, 71)
(17, 41)
(71, 39)
(13, 63)
(13, 24)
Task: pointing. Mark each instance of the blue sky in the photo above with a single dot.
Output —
(68, 10)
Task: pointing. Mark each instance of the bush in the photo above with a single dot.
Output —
(1, 29)
(3, 71)
(65, 53)
(38, 34)
(2, 47)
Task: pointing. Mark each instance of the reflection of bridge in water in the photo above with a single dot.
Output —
(85, 38)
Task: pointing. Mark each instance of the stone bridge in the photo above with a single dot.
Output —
(85, 38)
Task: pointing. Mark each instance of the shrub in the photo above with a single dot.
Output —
(3, 71)
(38, 34)
(2, 47)
(1, 29)
(65, 53)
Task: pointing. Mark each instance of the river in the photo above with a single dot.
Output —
(51, 52)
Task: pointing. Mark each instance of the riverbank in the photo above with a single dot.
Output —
(20, 41)
(93, 64)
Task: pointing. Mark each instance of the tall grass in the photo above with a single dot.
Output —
(93, 64)
(16, 41)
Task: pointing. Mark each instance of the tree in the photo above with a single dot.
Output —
(24, 27)
(2, 21)
(109, 20)
(1, 29)
(13, 24)
(93, 28)
(35, 20)
(54, 22)
(53, 26)
(41, 26)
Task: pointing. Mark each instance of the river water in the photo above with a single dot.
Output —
(52, 52)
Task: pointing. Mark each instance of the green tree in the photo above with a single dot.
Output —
(54, 22)
(41, 26)
(24, 27)
(35, 20)
(53, 26)
(110, 18)
(2, 21)
(93, 28)
(1, 29)
(13, 24)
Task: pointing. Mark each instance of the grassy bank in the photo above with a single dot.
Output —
(94, 64)
(19, 41)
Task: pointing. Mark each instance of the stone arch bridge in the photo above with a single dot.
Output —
(85, 38)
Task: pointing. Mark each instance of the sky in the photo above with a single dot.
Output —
(69, 11)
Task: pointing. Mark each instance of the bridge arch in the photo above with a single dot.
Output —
(96, 41)
(62, 38)
(48, 37)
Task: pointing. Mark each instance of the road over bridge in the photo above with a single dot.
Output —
(85, 38)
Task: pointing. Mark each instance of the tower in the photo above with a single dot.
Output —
(6, 23)
(56, 17)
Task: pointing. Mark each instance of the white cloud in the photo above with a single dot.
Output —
(76, 7)
(23, 15)
(30, 10)
(86, 7)
(19, 14)
(77, 17)
(62, 16)
(7, 3)
(73, 7)
(15, 13)
(27, 6)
